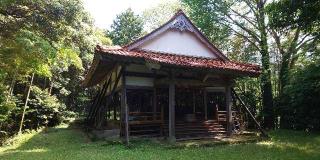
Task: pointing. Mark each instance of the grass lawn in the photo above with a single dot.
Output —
(67, 143)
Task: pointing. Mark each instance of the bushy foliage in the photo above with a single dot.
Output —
(54, 40)
(44, 109)
(304, 14)
(7, 104)
(300, 103)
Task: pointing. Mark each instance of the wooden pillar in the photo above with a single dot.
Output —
(109, 110)
(205, 104)
(154, 103)
(172, 137)
(194, 101)
(115, 107)
(124, 109)
(216, 112)
(229, 109)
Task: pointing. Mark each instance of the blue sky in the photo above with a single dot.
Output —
(104, 11)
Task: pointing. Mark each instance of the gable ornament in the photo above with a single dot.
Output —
(182, 24)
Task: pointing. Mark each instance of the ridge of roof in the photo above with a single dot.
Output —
(155, 30)
(212, 47)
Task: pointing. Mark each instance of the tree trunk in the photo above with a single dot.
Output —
(51, 86)
(266, 86)
(284, 71)
(287, 62)
(25, 104)
(13, 83)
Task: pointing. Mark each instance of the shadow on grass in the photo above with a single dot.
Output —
(71, 143)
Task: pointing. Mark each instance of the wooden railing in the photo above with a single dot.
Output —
(221, 116)
(145, 117)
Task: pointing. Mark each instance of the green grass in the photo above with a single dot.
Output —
(67, 143)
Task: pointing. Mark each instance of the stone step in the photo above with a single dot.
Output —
(202, 126)
(182, 134)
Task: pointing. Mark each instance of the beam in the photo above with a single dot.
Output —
(172, 137)
(102, 111)
(93, 114)
(229, 110)
(249, 112)
(193, 82)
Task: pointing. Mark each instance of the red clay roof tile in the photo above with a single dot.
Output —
(184, 61)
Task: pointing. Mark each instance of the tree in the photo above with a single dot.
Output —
(158, 15)
(125, 28)
(304, 14)
(205, 16)
(294, 25)
(249, 22)
(53, 40)
(299, 105)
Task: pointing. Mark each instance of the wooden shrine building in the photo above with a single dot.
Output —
(171, 82)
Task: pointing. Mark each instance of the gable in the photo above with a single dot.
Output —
(178, 42)
(178, 36)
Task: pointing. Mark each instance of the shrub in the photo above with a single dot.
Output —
(7, 106)
(299, 105)
(43, 109)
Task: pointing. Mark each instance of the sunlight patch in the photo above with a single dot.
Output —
(19, 140)
(266, 143)
(38, 150)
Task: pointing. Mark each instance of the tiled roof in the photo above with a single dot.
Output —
(183, 61)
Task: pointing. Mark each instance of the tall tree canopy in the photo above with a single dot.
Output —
(125, 28)
(294, 25)
(53, 41)
(156, 16)
(303, 14)
(205, 16)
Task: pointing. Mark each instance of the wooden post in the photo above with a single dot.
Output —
(216, 112)
(229, 109)
(124, 109)
(194, 101)
(205, 104)
(109, 110)
(115, 107)
(172, 137)
(162, 121)
(154, 103)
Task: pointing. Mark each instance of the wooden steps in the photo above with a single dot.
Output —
(183, 129)
(145, 130)
(196, 130)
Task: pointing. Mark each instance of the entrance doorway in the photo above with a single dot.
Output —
(215, 100)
